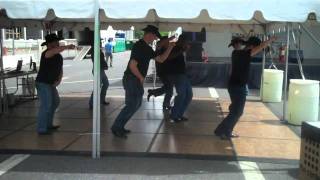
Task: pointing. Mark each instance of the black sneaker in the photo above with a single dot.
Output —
(54, 127)
(225, 136)
(105, 103)
(175, 120)
(119, 134)
(184, 118)
(167, 108)
(126, 131)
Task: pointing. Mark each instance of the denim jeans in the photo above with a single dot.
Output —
(133, 98)
(184, 94)
(109, 56)
(238, 99)
(167, 89)
(49, 101)
(104, 83)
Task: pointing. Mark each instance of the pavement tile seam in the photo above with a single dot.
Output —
(155, 136)
(15, 131)
(72, 142)
(266, 138)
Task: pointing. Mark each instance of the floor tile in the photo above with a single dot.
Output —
(4, 133)
(33, 141)
(186, 144)
(14, 123)
(267, 148)
(136, 126)
(143, 114)
(68, 125)
(264, 130)
(135, 142)
(188, 128)
(204, 116)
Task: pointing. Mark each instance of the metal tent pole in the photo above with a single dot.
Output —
(297, 54)
(13, 45)
(284, 113)
(263, 65)
(1, 74)
(96, 86)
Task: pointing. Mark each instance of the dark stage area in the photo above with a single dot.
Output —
(216, 73)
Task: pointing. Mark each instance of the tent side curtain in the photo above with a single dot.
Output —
(76, 14)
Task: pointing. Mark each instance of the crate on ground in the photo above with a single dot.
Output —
(310, 151)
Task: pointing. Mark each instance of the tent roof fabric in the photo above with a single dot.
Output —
(166, 12)
(273, 10)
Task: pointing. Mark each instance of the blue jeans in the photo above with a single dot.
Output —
(184, 94)
(133, 98)
(105, 84)
(109, 55)
(238, 96)
(49, 101)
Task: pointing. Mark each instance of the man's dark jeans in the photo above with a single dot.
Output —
(133, 98)
(184, 95)
(104, 83)
(238, 96)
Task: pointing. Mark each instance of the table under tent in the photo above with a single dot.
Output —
(264, 17)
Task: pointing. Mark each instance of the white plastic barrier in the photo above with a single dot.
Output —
(272, 85)
(303, 101)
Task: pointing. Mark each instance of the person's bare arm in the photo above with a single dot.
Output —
(162, 57)
(263, 45)
(133, 65)
(50, 53)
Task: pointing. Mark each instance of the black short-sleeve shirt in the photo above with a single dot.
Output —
(240, 67)
(142, 53)
(50, 68)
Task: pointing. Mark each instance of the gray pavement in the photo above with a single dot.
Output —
(41, 167)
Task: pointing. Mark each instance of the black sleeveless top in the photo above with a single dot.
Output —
(50, 68)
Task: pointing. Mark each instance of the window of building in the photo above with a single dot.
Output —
(14, 33)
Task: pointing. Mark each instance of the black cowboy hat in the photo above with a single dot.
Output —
(152, 29)
(236, 40)
(51, 38)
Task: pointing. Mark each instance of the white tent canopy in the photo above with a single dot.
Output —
(167, 15)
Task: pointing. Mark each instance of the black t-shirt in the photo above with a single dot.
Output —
(50, 68)
(240, 67)
(142, 53)
(175, 64)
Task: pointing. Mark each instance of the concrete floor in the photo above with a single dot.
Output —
(262, 135)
